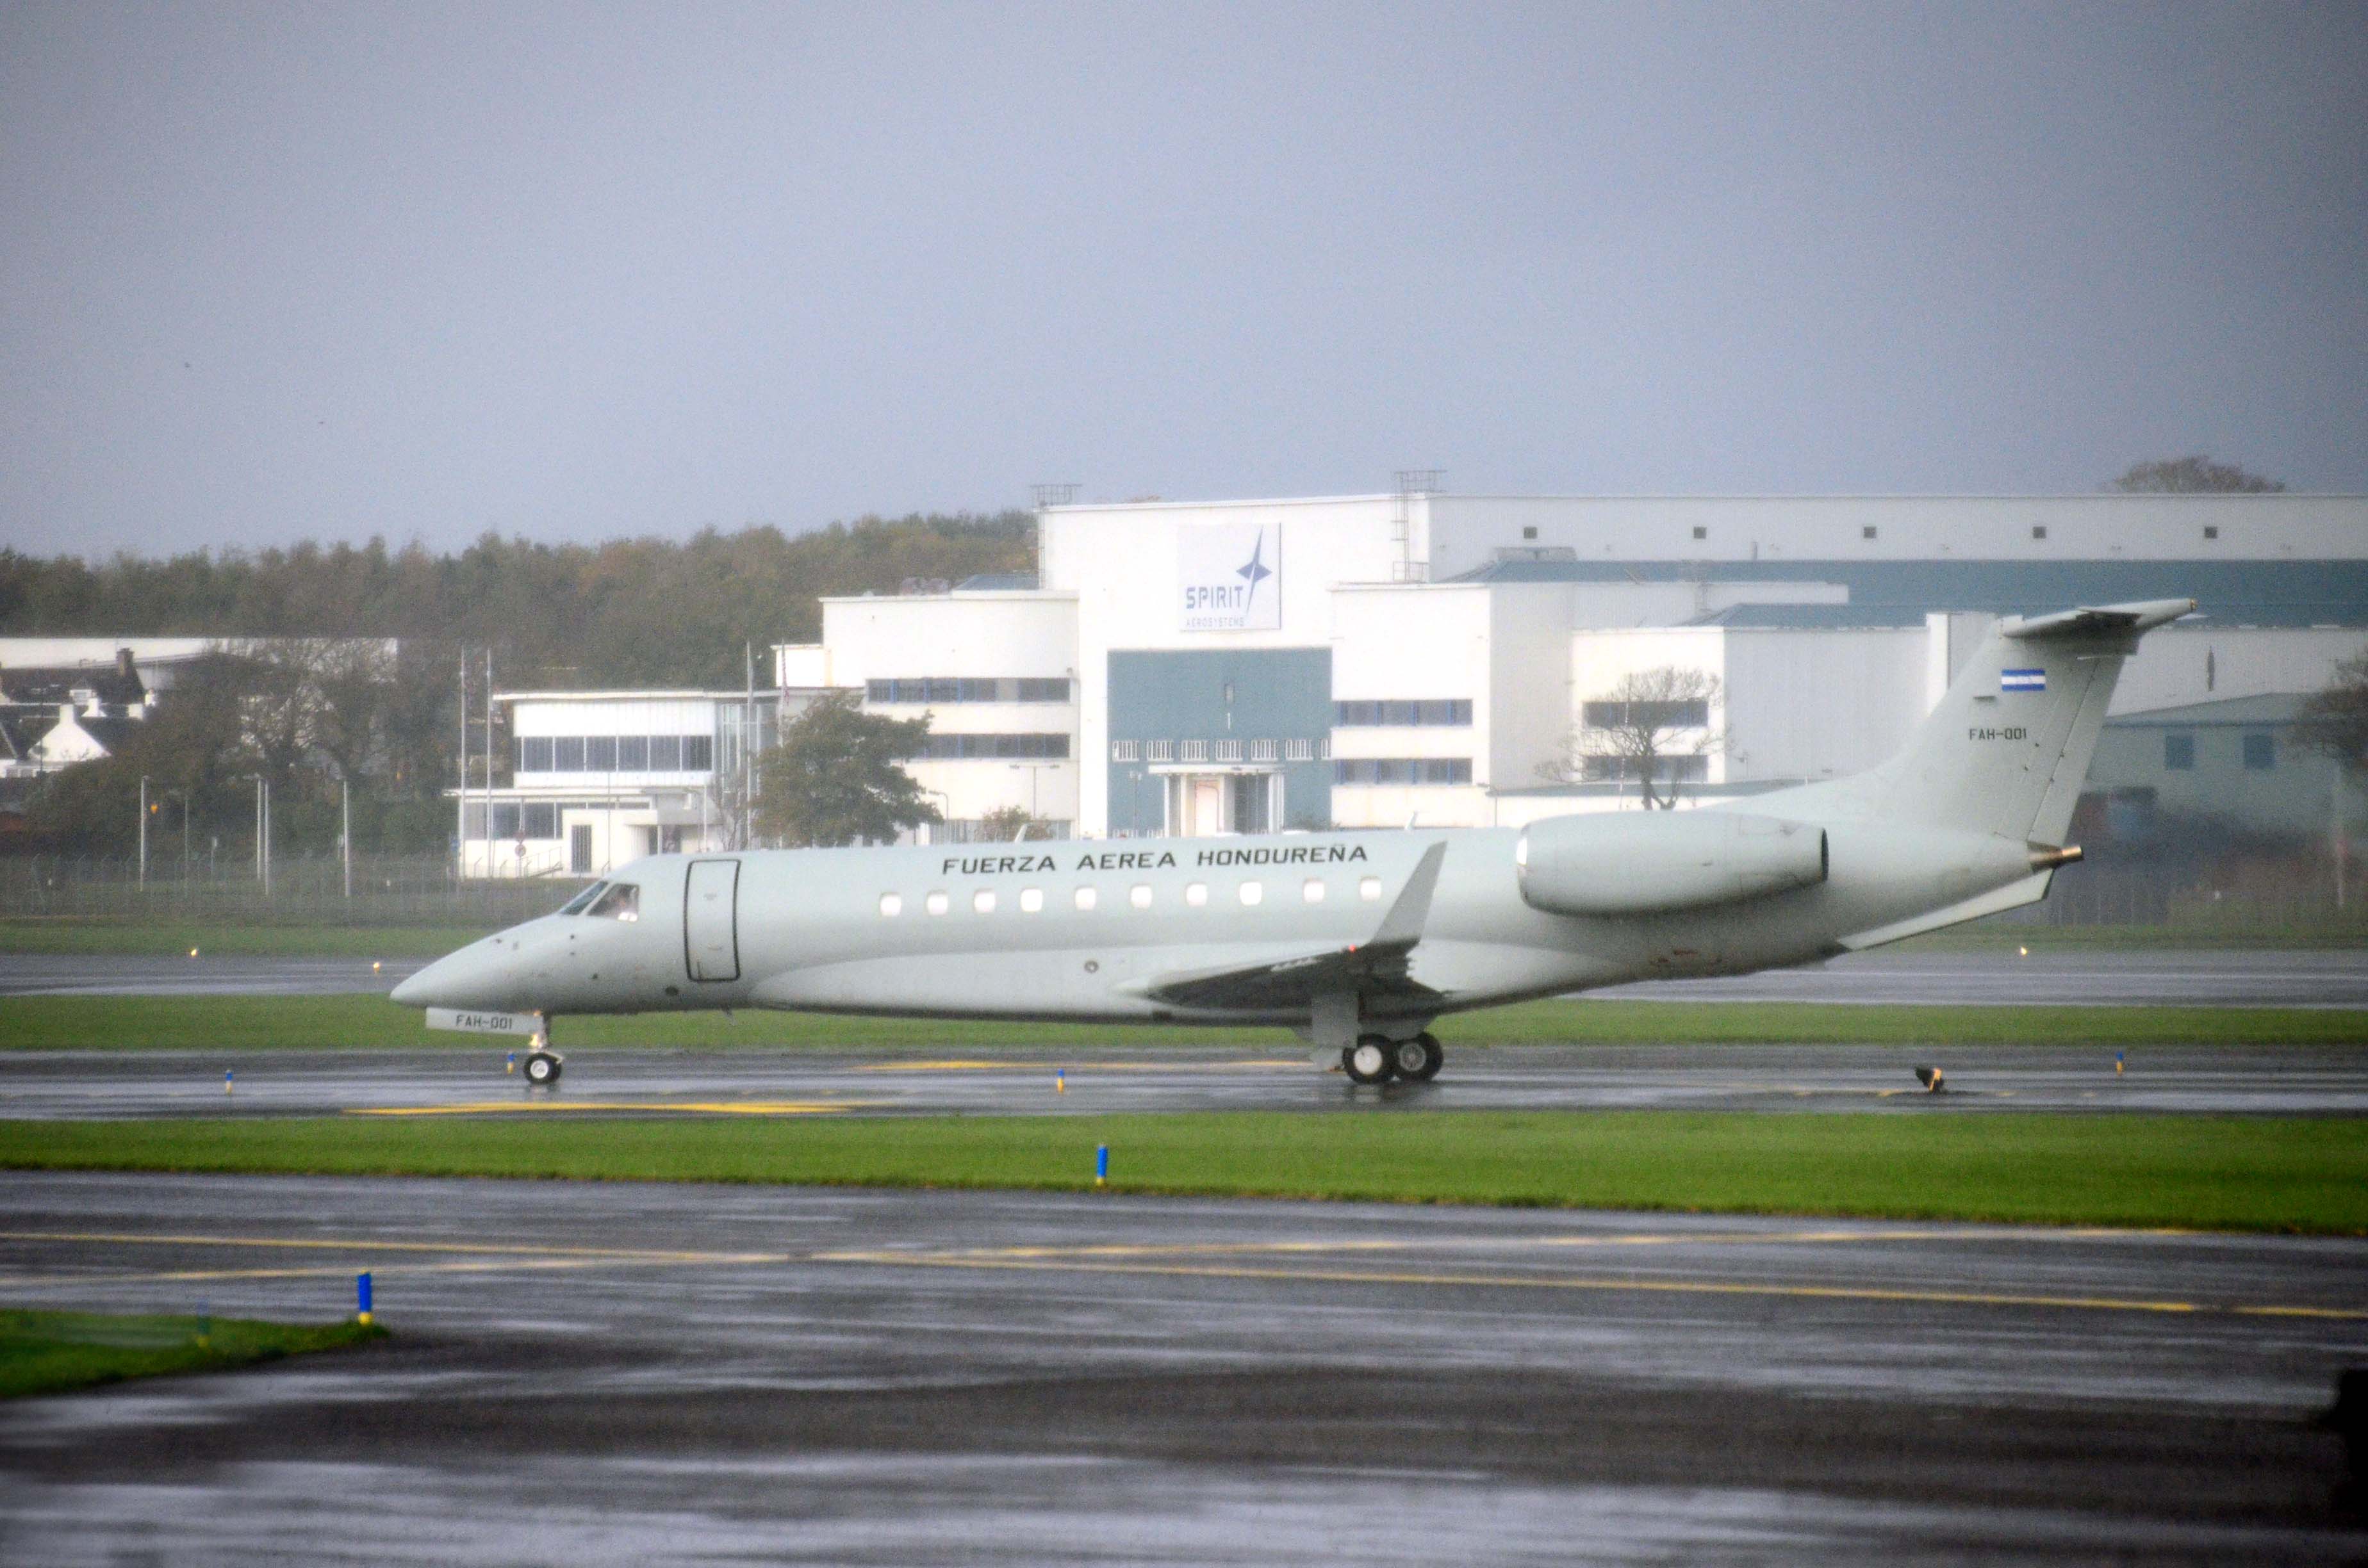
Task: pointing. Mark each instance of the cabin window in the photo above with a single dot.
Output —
(1139, 896)
(1369, 889)
(937, 903)
(622, 901)
(1087, 898)
(1253, 892)
(983, 900)
(1311, 890)
(1196, 894)
(582, 901)
(1031, 899)
(892, 904)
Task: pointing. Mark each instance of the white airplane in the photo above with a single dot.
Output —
(1358, 941)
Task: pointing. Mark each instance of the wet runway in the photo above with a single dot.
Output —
(621, 1372)
(465, 1081)
(2311, 978)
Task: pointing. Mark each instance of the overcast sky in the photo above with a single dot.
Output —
(573, 271)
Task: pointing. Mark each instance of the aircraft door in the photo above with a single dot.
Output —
(711, 920)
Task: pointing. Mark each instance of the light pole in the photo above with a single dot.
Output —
(945, 810)
(346, 829)
(143, 833)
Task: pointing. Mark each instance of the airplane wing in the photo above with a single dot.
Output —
(1377, 967)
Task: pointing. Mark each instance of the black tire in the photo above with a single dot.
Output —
(543, 1069)
(1367, 1060)
(1418, 1060)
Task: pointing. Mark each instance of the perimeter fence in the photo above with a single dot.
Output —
(304, 890)
(2247, 902)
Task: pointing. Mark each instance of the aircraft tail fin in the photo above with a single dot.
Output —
(2007, 750)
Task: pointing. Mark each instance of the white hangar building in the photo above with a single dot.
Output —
(1373, 660)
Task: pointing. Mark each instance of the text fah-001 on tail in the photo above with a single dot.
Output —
(1357, 940)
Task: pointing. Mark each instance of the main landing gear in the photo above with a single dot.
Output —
(1376, 1059)
(542, 1063)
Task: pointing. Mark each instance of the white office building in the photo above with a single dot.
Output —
(1372, 661)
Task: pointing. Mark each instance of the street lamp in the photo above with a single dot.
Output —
(945, 808)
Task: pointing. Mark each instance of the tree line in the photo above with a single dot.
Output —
(301, 695)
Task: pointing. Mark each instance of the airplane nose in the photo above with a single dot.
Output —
(419, 990)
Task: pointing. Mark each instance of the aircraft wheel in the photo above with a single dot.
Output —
(1418, 1060)
(1367, 1060)
(542, 1068)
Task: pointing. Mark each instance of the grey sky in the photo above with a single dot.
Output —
(575, 272)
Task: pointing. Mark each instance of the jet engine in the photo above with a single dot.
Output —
(1653, 862)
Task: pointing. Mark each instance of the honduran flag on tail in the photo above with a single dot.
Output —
(2022, 680)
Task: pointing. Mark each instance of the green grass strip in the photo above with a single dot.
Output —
(2244, 1174)
(54, 1352)
(322, 1023)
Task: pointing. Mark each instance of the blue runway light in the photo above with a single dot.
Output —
(362, 1296)
(1101, 1165)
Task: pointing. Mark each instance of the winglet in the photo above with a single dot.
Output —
(1402, 927)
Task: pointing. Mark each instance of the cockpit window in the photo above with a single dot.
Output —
(622, 901)
(582, 901)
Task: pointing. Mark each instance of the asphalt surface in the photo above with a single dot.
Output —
(2281, 1080)
(2328, 978)
(619, 1372)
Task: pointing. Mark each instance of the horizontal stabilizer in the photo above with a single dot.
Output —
(2143, 616)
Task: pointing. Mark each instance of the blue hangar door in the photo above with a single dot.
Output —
(711, 920)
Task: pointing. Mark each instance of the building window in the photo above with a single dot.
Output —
(666, 754)
(1382, 770)
(567, 754)
(1427, 713)
(2178, 752)
(534, 754)
(632, 754)
(1228, 751)
(600, 754)
(1866, 532)
(1196, 751)
(2260, 752)
(698, 754)
(2211, 530)
(542, 820)
(1701, 533)
(892, 904)
(1299, 751)
(1126, 751)
(1159, 751)
(917, 689)
(1627, 770)
(1692, 713)
(1261, 750)
(1088, 898)
(965, 748)
(1196, 894)
(2039, 530)
(506, 820)
(1253, 892)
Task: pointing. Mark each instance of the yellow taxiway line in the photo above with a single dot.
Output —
(970, 1064)
(1190, 1260)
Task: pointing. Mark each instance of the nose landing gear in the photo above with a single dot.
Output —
(542, 1063)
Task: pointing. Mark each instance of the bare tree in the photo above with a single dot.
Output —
(1654, 727)
(2335, 720)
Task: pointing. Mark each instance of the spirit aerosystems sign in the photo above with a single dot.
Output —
(1229, 577)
